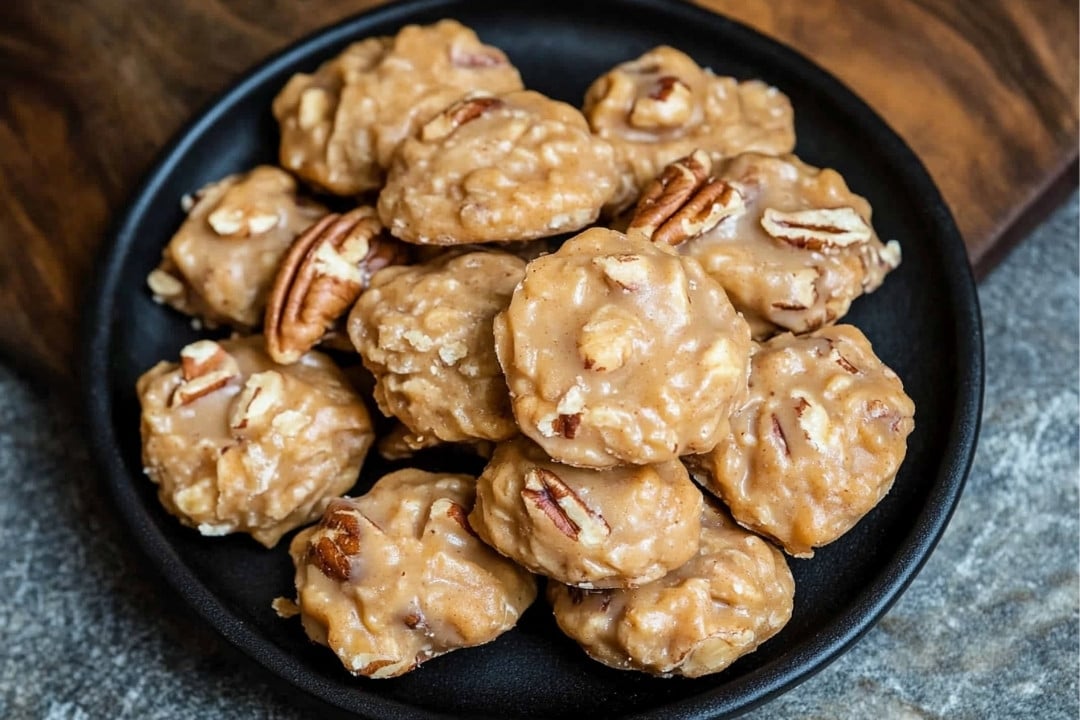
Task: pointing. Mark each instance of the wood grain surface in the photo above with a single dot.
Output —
(984, 90)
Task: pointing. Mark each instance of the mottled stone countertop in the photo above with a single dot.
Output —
(989, 629)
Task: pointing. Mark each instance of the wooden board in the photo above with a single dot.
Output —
(984, 90)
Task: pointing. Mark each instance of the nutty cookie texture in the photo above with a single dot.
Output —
(515, 166)
(663, 105)
(619, 352)
(220, 265)
(425, 332)
(237, 443)
(790, 244)
(619, 527)
(341, 124)
(396, 577)
(818, 442)
(733, 595)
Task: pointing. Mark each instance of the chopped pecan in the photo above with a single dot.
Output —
(684, 202)
(261, 394)
(461, 112)
(564, 507)
(164, 285)
(566, 425)
(473, 59)
(669, 103)
(204, 368)
(781, 438)
(337, 539)
(818, 228)
(626, 271)
(606, 342)
(325, 270)
(454, 511)
(234, 219)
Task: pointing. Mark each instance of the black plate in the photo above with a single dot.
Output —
(924, 323)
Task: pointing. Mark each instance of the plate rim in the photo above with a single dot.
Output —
(742, 694)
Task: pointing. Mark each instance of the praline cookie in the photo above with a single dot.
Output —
(663, 105)
(791, 245)
(341, 124)
(515, 166)
(619, 352)
(425, 332)
(396, 577)
(735, 594)
(818, 442)
(221, 263)
(620, 527)
(237, 443)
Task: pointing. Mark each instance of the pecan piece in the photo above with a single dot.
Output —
(818, 228)
(261, 394)
(325, 270)
(337, 539)
(461, 112)
(685, 202)
(668, 104)
(454, 511)
(204, 368)
(564, 507)
(476, 59)
(566, 425)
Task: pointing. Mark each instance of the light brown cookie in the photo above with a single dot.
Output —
(425, 332)
(237, 443)
(620, 527)
(396, 577)
(791, 245)
(663, 105)
(619, 352)
(817, 444)
(341, 124)
(516, 166)
(220, 265)
(735, 594)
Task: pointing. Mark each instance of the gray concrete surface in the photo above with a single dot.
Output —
(989, 629)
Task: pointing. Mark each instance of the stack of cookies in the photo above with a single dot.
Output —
(684, 337)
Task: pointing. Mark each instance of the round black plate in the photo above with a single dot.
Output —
(924, 323)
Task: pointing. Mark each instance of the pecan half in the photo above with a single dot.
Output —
(564, 507)
(325, 270)
(461, 112)
(204, 368)
(337, 539)
(684, 202)
(818, 228)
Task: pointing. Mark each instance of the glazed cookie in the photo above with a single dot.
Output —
(236, 443)
(817, 444)
(662, 106)
(424, 331)
(340, 125)
(514, 167)
(618, 352)
(221, 263)
(621, 527)
(791, 245)
(735, 594)
(396, 577)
